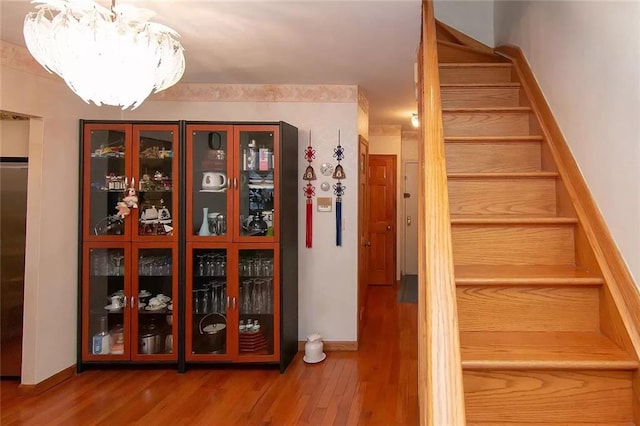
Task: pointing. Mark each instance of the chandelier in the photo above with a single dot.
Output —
(106, 56)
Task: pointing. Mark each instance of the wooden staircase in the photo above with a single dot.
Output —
(540, 339)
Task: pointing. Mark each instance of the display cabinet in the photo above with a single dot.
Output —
(129, 242)
(128, 302)
(204, 275)
(241, 260)
(118, 157)
(234, 306)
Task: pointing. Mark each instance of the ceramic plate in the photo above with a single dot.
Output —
(155, 308)
(112, 308)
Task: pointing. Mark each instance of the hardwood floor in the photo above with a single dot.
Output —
(377, 385)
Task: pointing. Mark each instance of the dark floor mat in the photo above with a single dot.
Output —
(408, 291)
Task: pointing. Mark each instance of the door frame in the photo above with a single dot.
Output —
(363, 234)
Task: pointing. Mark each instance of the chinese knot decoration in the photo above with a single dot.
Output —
(309, 190)
(339, 189)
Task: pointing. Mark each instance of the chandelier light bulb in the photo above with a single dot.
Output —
(106, 56)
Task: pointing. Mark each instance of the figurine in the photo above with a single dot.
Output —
(123, 209)
(130, 201)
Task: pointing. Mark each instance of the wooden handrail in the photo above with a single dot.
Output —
(440, 391)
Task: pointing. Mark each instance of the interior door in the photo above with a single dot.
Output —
(411, 218)
(382, 219)
(363, 230)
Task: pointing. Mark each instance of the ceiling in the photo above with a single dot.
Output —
(371, 44)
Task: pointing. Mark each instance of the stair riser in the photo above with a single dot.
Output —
(480, 97)
(517, 196)
(456, 54)
(548, 396)
(499, 157)
(475, 75)
(486, 123)
(533, 308)
(513, 244)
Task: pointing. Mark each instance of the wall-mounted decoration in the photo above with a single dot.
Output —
(324, 204)
(326, 169)
(339, 188)
(309, 191)
(325, 186)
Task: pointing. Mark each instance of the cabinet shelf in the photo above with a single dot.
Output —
(107, 191)
(164, 311)
(143, 191)
(219, 191)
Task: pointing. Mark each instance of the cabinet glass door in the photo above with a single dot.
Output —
(105, 302)
(208, 302)
(107, 175)
(257, 303)
(209, 182)
(153, 308)
(256, 197)
(156, 172)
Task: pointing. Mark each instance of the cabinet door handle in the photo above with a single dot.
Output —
(234, 302)
(235, 183)
(228, 299)
(124, 302)
(132, 301)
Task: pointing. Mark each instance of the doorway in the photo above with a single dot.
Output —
(14, 129)
(410, 218)
(382, 219)
(363, 230)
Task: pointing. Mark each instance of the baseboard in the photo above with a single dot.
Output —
(346, 346)
(47, 384)
(618, 280)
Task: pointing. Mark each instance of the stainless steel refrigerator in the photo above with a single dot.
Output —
(13, 218)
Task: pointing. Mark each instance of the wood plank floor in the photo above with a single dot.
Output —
(375, 386)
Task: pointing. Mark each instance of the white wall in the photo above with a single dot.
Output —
(586, 57)
(472, 17)
(51, 257)
(14, 138)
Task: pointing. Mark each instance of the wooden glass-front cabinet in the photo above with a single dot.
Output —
(143, 157)
(121, 320)
(129, 282)
(204, 270)
(234, 308)
(234, 289)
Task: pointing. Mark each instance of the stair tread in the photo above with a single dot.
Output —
(567, 350)
(549, 424)
(474, 64)
(455, 175)
(454, 139)
(488, 109)
(479, 85)
(511, 219)
(525, 274)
